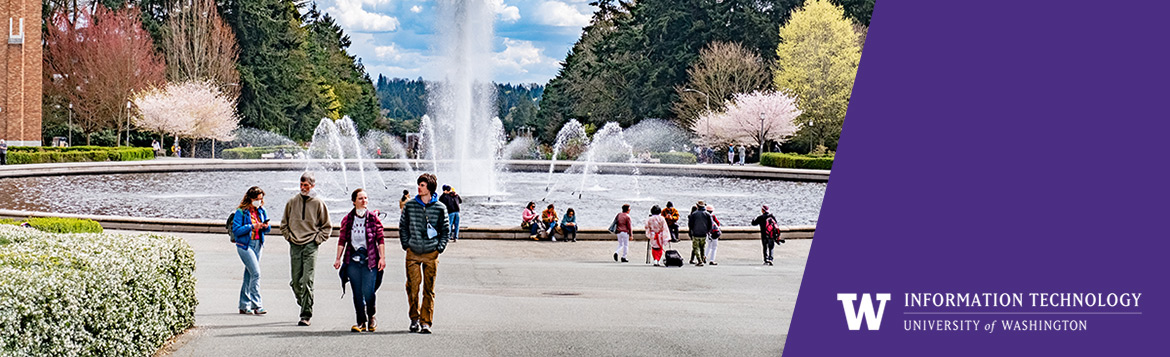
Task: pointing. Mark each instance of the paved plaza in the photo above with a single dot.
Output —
(504, 298)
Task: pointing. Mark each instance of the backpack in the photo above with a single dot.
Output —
(231, 219)
(773, 229)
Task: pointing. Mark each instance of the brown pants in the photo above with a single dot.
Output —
(421, 268)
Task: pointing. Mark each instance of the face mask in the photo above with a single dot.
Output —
(256, 203)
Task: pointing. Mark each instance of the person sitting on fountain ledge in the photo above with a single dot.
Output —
(305, 225)
(424, 231)
(548, 218)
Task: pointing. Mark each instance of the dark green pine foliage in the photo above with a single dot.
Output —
(340, 78)
(631, 58)
(277, 86)
(404, 101)
(860, 11)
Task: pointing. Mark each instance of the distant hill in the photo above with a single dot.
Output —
(404, 101)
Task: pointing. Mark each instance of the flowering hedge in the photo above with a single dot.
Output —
(92, 294)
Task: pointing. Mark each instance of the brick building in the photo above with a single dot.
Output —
(20, 85)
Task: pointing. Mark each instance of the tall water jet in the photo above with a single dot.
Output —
(346, 128)
(571, 131)
(461, 103)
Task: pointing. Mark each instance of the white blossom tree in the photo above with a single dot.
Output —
(755, 117)
(192, 109)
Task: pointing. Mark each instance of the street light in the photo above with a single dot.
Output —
(70, 124)
(762, 148)
(127, 123)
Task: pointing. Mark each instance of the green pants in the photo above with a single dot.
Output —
(698, 247)
(303, 258)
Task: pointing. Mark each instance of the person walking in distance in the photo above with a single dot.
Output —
(713, 237)
(699, 223)
(767, 223)
(671, 216)
(656, 233)
(623, 234)
(742, 151)
(363, 247)
(424, 232)
(402, 201)
(305, 225)
(452, 201)
(731, 154)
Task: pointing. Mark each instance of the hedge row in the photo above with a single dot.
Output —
(255, 152)
(793, 161)
(40, 155)
(58, 225)
(92, 294)
(675, 157)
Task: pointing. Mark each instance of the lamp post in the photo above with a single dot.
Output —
(810, 144)
(762, 146)
(70, 124)
(127, 123)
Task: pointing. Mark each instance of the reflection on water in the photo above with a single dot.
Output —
(213, 195)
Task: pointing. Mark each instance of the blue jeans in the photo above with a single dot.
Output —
(534, 228)
(362, 279)
(250, 290)
(454, 218)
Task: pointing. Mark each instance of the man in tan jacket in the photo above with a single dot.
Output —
(305, 225)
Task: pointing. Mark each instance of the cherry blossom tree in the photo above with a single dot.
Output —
(750, 118)
(192, 109)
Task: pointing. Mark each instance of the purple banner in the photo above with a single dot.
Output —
(1002, 177)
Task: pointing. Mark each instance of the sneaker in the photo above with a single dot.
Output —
(425, 329)
(357, 328)
(615, 257)
(699, 265)
(414, 326)
(625, 261)
(713, 263)
(554, 239)
(245, 312)
(372, 325)
(304, 322)
(534, 237)
(657, 265)
(768, 263)
(260, 311)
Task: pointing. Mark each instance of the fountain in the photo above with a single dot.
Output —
(463, 139)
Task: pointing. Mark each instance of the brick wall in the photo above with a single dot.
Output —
(20, 104)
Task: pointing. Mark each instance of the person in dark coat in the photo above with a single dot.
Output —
(452, 201)
(766, 238)
(699, 223)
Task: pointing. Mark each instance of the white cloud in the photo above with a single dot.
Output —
(391, 52)
(507, 13)
(557, 13)
(519, 56)
(354, 18)
(416, 9)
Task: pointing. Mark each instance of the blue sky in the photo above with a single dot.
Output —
(394, 37)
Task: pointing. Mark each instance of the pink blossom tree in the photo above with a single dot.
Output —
(755, 117)
(192, 109)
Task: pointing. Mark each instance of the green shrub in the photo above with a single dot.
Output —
(794, 161)
(93, 294)
(58, 225)
(65, 225)
(675, 157)
(46, 154)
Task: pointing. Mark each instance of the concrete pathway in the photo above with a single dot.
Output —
(504, 298)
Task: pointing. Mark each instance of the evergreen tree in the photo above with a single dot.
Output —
(344, 87)
(277, 86)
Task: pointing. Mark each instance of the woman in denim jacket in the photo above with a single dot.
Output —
(249, 225)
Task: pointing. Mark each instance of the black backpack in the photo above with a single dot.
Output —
(231, 219)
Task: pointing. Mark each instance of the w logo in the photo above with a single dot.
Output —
(863, 312)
